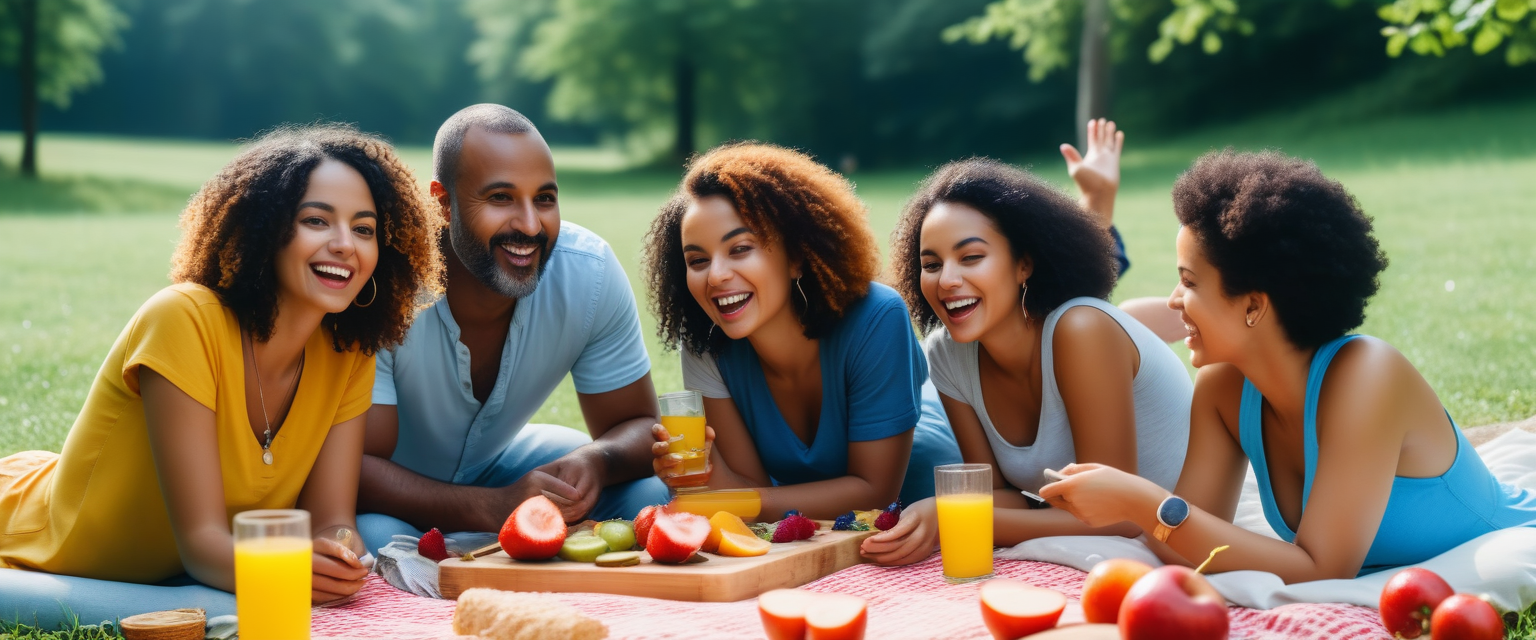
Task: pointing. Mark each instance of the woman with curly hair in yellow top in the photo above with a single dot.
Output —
(760, 271)
(241, 386)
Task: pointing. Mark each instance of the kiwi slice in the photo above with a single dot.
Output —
(619, 559)
(583, 548)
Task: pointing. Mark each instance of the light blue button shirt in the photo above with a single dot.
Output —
(580, 319)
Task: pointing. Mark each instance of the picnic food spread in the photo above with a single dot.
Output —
(664, 552)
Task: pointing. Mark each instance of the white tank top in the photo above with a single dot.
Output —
(1161, 392)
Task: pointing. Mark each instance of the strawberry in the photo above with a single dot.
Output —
(887, 520)
(534, 531)
(794, 527)
(675, 536)
(432, 547)
(643, 524)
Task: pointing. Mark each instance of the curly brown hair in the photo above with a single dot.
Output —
(1272, 223)
(1072, 255)
(784, 196)
(235, 225)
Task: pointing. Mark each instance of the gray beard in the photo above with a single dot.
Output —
(481, 262)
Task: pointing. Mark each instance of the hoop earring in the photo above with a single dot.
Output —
(370, 300)
(711, 335)
(803, 299)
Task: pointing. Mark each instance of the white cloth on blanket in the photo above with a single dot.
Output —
(402, 567)
(1501, 564)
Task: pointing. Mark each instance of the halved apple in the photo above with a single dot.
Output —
(836, 616)
(783, 613)
(1013, 609)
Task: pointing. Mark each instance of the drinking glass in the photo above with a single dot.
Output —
(272, 574)
(682, 414)
(964, 499)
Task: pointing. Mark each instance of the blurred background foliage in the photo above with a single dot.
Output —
(873, 82)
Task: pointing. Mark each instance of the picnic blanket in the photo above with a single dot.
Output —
(1500, 565)
(905, 602)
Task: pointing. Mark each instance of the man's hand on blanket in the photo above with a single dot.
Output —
(1101, 495)
(337, 571)
(913, 538)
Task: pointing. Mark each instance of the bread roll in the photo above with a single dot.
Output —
(510, 615)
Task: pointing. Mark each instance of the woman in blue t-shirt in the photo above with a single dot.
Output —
(760, 271)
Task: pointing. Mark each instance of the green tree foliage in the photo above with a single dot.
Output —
(634, 69)
(1430, 27)
(72, 34)
(1047, 30)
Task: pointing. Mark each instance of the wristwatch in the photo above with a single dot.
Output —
(1170, 514)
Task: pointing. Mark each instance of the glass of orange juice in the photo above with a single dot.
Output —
(682, 414)
(964, 500)
(272, 574)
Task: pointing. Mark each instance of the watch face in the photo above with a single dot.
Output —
(1173, 511)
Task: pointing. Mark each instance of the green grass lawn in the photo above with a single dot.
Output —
(81, 249)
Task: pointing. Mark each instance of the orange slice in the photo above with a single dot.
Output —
(739, 545)
(721, 523)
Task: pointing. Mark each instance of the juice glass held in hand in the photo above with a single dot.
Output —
(682, 415)
(964, 501)
(272, 574)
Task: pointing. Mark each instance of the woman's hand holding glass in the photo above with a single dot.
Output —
(914, 537)
(668, 465)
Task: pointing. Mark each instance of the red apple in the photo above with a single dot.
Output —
(534, 531)
(1409, 599)
(675, 536)
(783, 613)
(835, 616)
(1173, 603)
(1013, 609)
(1105, 588)
(1464, 617)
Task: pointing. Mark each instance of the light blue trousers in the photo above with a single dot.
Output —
(534, 446)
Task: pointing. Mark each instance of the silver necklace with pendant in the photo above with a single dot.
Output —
(266, 444)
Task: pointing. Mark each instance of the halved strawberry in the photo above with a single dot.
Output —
(432, 546)
(643, 523)
(534, 531)
(675, 536)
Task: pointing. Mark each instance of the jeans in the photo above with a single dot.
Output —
(933, 444)
(534, 446)
(50, 601)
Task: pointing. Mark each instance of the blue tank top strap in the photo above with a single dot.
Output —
(1320, 361)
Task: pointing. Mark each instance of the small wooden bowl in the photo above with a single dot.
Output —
(176, 624)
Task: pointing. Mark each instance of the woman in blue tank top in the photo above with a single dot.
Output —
(1360, 468)
(760, 273)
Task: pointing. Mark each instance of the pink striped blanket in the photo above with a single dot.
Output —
(905, 602)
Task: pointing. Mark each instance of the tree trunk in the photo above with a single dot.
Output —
(1093, 69)
(29, 88)
(684, 78)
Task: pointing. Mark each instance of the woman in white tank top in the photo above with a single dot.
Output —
(1034, 368)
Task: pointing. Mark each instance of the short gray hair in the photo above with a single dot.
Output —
(450, 137)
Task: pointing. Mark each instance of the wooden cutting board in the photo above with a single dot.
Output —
(720, 579)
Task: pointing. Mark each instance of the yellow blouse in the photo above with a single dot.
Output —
(96, 510)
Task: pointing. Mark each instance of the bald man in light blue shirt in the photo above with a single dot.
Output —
(529, 298)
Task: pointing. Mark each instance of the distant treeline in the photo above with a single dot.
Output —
(871, 79)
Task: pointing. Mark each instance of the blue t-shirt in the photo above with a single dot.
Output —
(581, 320)
(872, 372)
